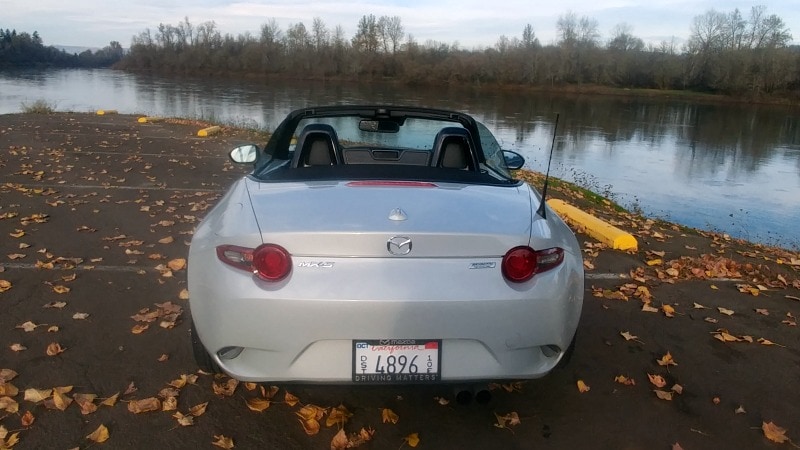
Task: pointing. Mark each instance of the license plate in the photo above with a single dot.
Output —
(397, 360)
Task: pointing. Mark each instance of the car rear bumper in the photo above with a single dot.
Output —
(489, 329)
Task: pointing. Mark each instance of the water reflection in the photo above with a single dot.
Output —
(730, 167)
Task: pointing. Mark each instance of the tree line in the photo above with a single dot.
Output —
(27, 50)
(726, 53)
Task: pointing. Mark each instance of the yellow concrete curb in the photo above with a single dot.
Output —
(102, 112)
(205, 132)
(149, 119)
(594, 227)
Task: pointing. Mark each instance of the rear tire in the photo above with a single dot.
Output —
(201, 356)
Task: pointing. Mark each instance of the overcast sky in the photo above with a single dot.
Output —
(471, 23)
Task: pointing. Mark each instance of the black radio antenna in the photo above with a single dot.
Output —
(541, 210)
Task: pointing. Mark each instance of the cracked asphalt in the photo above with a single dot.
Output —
(103, 206)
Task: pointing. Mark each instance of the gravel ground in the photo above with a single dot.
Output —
(96, 214)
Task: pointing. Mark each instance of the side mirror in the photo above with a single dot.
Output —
(514, 160)
(244, 154)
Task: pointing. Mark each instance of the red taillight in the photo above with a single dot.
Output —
(522, 263)
(269, 261)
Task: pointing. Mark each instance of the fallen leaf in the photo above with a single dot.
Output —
(338, 416)
(37, 395)
(412, 439)
(663, 395)
(762, 311)
(8, 389)
(677, 388)
(724, 336)
(716, 400)
(60, 401)
(630, 337)
(177, 264)
(290, 399)
(310, 426)
(387, 415)
(5, 285)
(773, 432)
(140, 328)
(7, 375)
(340, 441)
(227, 388)
(99, 435)
(666, 360)
(54, 349)
(699, 306)
(222, 442)
(144, 405)
(27, 419)
(669, 311)
(310, 411)
(763, 341)
(28, 326)
(740, 410)
(60, 289)
(257, 404)
(80, 316)
(583, 387)
(17, 347)
(8, 405)
(170, 403)
(647, 308)
(622, 379)
(269, 394)
(110, 401)
(657, 380)
(85, 402)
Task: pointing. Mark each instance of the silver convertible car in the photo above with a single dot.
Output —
(382, 244)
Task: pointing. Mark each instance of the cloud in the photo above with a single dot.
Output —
(470, 22)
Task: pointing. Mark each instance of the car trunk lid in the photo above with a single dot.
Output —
(392, 218)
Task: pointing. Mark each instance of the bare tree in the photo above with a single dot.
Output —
(734, 30)
(366, 38)
(766, 31)
(270, 32)
(529, 39)
(297, 38)
(587, 32)
(567, 28)
(320, 34)
(393, 28)
(707, 32)
(622, 40)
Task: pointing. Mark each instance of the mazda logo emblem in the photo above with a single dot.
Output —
(399, 245)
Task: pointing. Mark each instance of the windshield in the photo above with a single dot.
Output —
(417, 144)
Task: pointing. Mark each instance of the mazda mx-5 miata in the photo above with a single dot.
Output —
(382, 244)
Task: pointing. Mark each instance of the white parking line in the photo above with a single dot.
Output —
(93, 268)
(90, 186)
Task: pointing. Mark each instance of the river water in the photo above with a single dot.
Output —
(729, 168)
